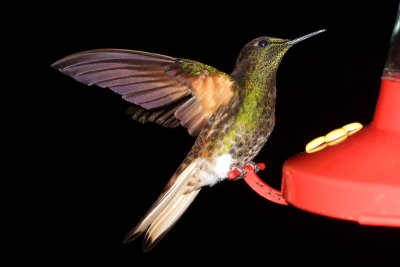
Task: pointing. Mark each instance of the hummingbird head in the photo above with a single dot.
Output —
(265, 53)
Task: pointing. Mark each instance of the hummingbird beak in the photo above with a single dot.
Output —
(295, 41)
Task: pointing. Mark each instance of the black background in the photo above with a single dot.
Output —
(98, 172)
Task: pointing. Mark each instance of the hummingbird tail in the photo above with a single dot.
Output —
(166, 211)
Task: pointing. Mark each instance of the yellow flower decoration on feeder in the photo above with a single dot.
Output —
(333, 137)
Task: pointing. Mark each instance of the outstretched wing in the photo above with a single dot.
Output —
(165, 90)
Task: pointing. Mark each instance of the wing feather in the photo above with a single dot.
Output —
(172, 90)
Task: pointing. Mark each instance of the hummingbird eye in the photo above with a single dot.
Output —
(262, 43)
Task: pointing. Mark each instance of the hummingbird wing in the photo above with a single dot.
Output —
(165, 90)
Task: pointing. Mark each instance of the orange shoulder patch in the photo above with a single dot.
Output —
(212, 91)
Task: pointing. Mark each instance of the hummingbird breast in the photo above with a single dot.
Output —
(238, 129)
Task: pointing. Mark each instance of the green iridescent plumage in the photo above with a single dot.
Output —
(195, 68)
(255, 78)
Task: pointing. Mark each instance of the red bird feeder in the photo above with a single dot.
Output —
(359, 178)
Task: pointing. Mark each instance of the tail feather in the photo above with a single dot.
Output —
(167, 218)
(166, 211)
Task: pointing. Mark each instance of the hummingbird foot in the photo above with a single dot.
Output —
(237, 173)
(253, 166)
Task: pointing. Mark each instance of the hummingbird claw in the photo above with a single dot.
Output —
(236, 173)
(252, 166)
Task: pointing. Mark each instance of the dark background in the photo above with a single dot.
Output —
(98, 172)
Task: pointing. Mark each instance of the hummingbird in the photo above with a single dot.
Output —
(231, 115)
